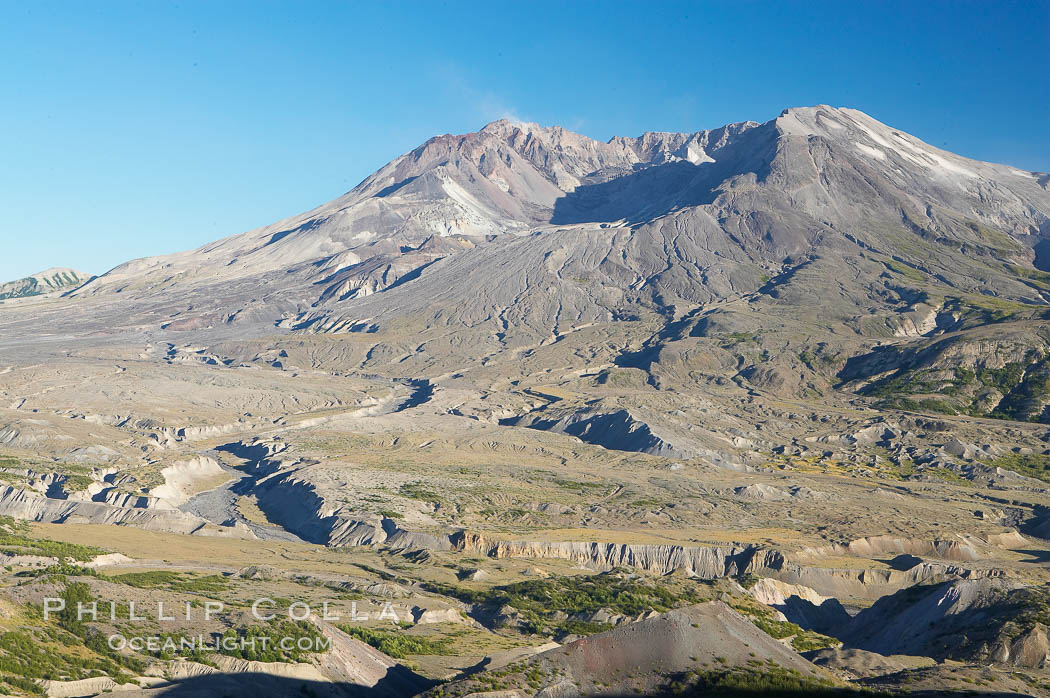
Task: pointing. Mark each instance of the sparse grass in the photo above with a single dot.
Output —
(146, 580)
(276, 641)
(567, 484)
(396, 643)
(769, 679)
(618, 378)
(173, 581)
(76, 483)
(1036, 465)
(538, 601)
(418, 490)
(1033, 277)
(248, 506)
(902, 269)
(13, 540)
(732, 339)
(987, 309)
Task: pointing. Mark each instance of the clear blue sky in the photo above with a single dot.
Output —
(136, 128)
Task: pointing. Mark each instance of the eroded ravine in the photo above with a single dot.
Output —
(219, 506)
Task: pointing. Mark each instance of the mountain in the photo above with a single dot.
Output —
(817, 235)
(688, 217)
(821, 257)
(47, 281)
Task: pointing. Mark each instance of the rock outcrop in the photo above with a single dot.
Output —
(25, 504)
(968, 620)
(184, 478)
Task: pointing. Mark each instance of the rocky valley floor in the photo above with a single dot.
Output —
(497, 543)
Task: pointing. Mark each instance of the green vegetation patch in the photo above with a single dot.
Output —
(276, 641)
(1003, 379)
(922, 381)
(63, 651)
(36, 653)
(1031, 606)
(920, 405)
(731, 339)
(514, 676)
(902, 269)
(60, 571)
(1023, 385)
(539, 603)
(173, 581)
(417, 490)
(396, 643)
(576, 485)
(748, 580)
(761, 679)
(13, 540)
(1035, 465)
(981, 309)
(172, 645)
(76, 482)
(766, 621)
(1030, 388)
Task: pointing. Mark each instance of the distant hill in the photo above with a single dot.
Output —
(47, 281)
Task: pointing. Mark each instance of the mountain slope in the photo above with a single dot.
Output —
(505, 178)
(978, 620)
(822, 223)
(47, 281)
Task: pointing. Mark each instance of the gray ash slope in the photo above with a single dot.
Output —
(687, 218)
(815, 192)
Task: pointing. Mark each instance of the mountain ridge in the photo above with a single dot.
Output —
(50, 280)
(561, 157)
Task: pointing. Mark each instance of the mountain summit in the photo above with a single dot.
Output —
(811, 168)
